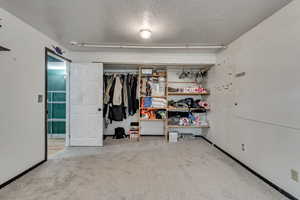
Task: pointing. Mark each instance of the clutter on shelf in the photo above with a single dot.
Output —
(189, 103)
(152, 102)
(158, 114)
(199, 75)
(153, 86)
(188, 90)
(134, 130)
(187, 119)
(153, 72)
(120, 96)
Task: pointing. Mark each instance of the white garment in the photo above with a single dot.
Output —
(160, 100)
(117, 98)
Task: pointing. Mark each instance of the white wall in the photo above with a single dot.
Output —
(22, 136)
(184, 57)
(145, 56)
(267, 117)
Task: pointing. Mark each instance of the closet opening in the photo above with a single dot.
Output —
(166, 102)
(56, 106)
(120, 111)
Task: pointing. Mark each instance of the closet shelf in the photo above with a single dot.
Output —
(185, 93)
(193, 82)
(144, 108)
(157, 76)
(172, 126)
(152, 119)
(178, 109)
(154, 96)
(183, 109)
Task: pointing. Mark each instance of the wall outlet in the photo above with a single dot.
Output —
(243, 147)
(240, 74)
(294, 175)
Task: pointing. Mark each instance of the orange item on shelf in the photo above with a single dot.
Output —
(152, 115)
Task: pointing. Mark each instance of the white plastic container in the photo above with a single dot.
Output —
(173, 136)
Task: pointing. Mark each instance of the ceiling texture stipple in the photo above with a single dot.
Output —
(172, 22)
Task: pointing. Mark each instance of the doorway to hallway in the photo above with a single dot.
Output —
(57, 102)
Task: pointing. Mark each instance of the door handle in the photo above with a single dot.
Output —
(99, 109)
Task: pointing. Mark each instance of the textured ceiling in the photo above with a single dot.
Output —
(173, 22)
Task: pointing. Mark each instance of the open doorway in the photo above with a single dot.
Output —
(57, 102)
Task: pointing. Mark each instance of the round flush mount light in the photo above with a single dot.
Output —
(145, 33)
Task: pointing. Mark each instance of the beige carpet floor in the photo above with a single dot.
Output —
(146, 170)
(55, 145)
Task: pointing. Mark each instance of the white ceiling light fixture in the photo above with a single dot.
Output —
(145, 33)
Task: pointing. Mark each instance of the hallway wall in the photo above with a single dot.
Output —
(22, 136)
(266, 119)
(57, 99)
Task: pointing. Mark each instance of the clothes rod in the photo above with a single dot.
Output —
(125, 73)
(120, 71)
(95, 45)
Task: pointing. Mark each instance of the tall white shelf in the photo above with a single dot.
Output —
(167, 95)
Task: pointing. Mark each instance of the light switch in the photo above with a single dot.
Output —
(40, 98)
(294, 175)
(240, 74)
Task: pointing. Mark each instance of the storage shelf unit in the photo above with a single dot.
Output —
(181, 84)
(153, 96)
(167, 95)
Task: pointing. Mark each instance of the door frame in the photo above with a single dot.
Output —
(47, 51)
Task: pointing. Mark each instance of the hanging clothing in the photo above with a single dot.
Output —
(109, 82)
(130, 103)
(117, 95)
(120, 96)
(133, 104)
(115, 113)
(134, 95)
(125, 95)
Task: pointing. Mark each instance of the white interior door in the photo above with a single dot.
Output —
(86, 92)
